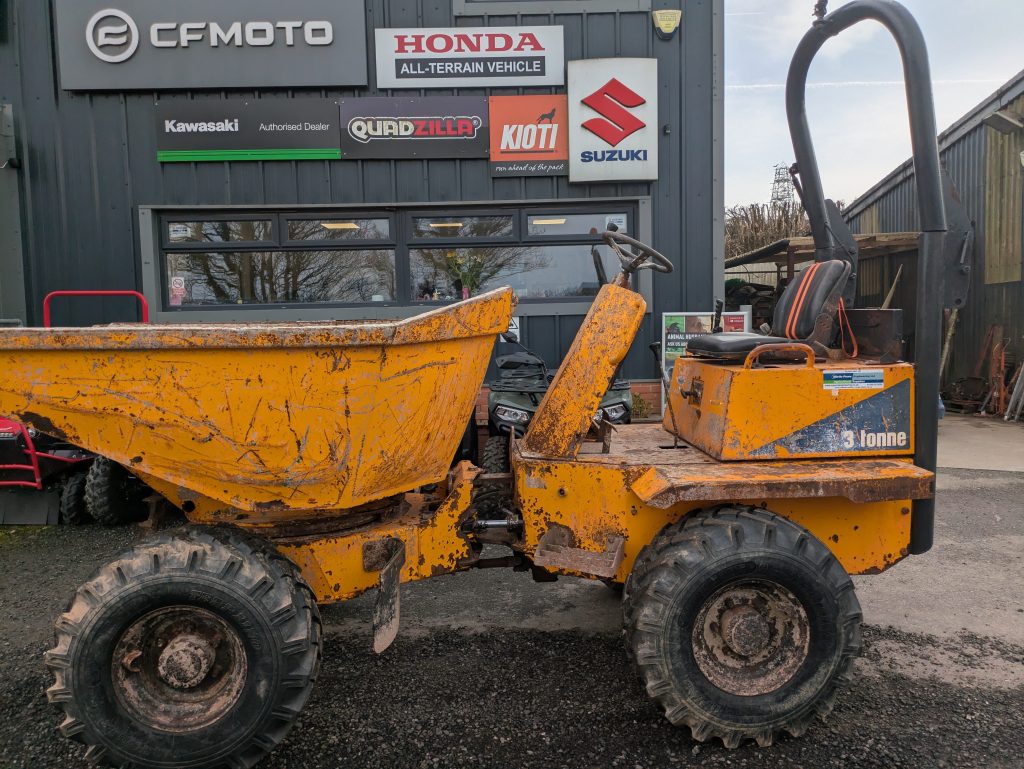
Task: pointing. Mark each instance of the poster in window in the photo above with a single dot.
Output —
(678, 328)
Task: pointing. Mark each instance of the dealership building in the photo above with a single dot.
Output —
(238, 160)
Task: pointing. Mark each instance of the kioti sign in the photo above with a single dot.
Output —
(613, 120)
(470, 56)
(414, 127)
(529, 135)
(193, 44)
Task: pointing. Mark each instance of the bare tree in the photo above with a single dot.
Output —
(752, 226)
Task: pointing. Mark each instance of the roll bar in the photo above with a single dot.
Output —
(930, 203)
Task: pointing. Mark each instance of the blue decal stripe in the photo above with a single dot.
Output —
(865, 427)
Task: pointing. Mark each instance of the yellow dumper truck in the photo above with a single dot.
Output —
(312, 466)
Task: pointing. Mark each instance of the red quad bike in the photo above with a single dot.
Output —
(77, 486)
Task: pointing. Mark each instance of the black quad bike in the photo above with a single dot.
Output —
(514, 396)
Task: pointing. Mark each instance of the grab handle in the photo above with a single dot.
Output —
(143, 304)
(757, 352)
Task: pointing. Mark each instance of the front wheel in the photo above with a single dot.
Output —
(742, 625)
(191, 650)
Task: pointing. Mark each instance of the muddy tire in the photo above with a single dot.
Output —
(194, 649)
(72, 501)
(113, 496)
(494, 457)
(741, 625)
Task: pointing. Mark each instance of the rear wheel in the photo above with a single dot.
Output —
(191, 650)
(72, 501)
(113, 496)
(742, 625)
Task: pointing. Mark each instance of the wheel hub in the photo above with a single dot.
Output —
(179, 668)
(751, 637)
(745, 630)
(185, 661)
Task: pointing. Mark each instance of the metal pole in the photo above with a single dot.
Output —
(932, 210)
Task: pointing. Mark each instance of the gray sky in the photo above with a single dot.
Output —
(855, 100)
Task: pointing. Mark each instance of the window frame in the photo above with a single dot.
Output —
(401, 243)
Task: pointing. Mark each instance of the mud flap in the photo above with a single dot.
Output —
(386, 608)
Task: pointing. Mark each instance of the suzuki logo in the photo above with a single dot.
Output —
(115, 31)
(616, 122)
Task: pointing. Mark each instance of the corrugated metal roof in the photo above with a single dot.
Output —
(1006, 93)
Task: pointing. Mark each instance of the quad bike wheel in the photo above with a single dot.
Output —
(494, 457)
(72, 501)
(196, 649)
(741, 625)
(113, 496)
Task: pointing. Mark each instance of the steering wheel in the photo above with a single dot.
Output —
(642, 258)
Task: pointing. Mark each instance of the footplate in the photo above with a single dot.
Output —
(555, 551)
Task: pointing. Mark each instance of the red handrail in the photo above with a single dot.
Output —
(46, 302)
(30, 449)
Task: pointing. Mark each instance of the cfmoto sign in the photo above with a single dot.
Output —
(196, 44)
(112, 35)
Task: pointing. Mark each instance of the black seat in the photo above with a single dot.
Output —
(806, 312)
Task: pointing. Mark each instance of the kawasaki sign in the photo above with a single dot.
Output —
(195, 44)
(197, 130)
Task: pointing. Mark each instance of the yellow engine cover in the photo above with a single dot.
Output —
(847, 409)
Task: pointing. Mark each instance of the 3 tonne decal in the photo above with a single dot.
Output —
(879, 424)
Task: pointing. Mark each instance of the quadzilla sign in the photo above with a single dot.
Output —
(470, 57)
(414, 127)
(613, 120)
(529, 135)
(216, 130)
(191, 44)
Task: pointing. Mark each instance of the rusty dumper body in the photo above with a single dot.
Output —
(312, 465)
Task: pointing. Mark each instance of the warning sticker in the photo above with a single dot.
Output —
(855, 379)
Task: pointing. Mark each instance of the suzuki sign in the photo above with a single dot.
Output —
(470, 57)
(193, 44)
(613, 120)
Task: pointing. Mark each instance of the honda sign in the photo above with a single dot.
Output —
(473, 57)
(613, 120)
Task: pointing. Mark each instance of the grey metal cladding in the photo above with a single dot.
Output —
(90, 162)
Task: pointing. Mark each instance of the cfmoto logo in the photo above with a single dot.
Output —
(610, 101)
(112, 36)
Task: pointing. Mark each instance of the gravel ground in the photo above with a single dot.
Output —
(491, 670)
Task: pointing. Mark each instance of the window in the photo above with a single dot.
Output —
(462, 226)
(533, 271)
(399, 257)
(279, 277)
(220, 231)
(339, 229)
(561, 224)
